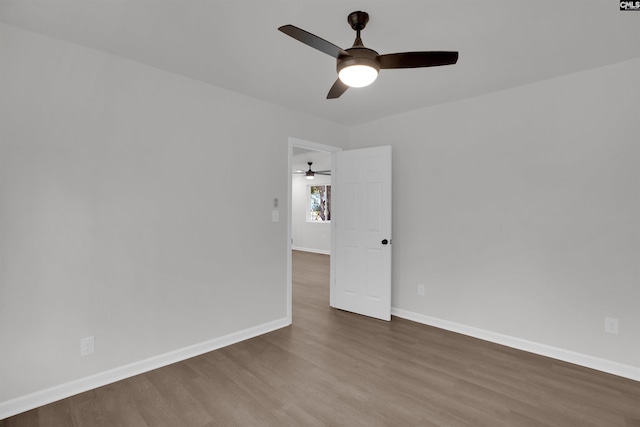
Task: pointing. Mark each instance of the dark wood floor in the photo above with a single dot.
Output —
(332, 368)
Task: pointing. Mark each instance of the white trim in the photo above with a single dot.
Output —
(608, 366)
(332, 260)
(315, 251)
(30, 401)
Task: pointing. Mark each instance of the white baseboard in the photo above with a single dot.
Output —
(315, 251)
(30, 401)
(619, 369)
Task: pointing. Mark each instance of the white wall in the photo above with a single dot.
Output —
(519, 211)
(124, 214)
(308, 236)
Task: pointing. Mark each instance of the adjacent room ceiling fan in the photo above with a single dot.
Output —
(310, 174)
(358, 66)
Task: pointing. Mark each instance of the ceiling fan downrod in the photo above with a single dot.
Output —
(358, 21)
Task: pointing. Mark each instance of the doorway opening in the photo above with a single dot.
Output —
(305, 232)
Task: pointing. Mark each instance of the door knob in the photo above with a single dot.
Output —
(385, 241)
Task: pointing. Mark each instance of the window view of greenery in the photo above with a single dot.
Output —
(320, 203)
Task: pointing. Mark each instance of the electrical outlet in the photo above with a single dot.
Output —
(87, 346)
(611, 325)
(421, 289)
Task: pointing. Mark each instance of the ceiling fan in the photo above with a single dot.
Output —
(310, 174)
(358, 66)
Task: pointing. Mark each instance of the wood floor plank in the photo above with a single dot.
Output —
(334, 368)
(116, 406)
(56, 414)
(84, 408)
(155, 408)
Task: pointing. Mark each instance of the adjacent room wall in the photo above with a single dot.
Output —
(518, 211)
(308, 236)
(125, 212)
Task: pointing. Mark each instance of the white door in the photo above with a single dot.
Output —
(362, 218)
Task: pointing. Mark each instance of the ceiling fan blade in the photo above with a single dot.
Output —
(322, 172)
(337, 89)
(417, 59)
(314, 41)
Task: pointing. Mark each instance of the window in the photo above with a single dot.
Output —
(319, 203)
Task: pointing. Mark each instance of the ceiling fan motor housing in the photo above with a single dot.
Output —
(359, 56)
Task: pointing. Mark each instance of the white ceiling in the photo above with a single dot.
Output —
(235, 44)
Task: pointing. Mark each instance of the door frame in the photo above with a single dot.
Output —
(301, 143)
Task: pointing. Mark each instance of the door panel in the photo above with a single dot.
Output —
(362, 217)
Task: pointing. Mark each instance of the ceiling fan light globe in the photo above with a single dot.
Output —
(358, 75)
